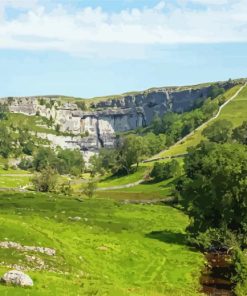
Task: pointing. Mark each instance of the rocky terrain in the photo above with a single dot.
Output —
(96, 126)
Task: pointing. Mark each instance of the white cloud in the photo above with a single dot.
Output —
(93, 31)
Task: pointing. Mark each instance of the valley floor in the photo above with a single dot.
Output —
(102, 247)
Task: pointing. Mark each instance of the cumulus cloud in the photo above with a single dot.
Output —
(95, 31)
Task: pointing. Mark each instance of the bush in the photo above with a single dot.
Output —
(66, 188)
(25, 164)
(46, 180)
(164, 171)
(90, 188)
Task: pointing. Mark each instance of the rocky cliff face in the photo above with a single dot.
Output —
(99, 125)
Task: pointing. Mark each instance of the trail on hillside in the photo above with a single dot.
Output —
(120, 186)
(198, 128)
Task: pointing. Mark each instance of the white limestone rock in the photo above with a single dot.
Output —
(18, 278)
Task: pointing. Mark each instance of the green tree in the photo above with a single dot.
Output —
(43, 158)
(240, 133)
(164, 171)
(219, 132)
(70, 162)
(6, 141)
(3, 111)
(215, 91)
(46, 180)
(214, 191)
(131, 151)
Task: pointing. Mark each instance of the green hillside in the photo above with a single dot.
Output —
(113, 250)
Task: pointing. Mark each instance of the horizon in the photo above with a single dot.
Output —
(128, 91)
(90, 49)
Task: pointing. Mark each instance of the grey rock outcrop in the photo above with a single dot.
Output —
(97, 128)
(18, 278)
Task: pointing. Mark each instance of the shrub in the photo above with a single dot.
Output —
(46, 180)
(90, 188)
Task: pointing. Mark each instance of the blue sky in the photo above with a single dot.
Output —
(90, 48)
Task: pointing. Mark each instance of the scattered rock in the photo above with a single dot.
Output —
(103, 248)
(75, 218)
(16, 277)
(17, 246)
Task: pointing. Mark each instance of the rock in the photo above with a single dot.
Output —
(18, 278)
(75, 218)
(96, 128)
(103, 248)
(17, 246)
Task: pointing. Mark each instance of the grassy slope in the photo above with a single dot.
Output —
(137, 260)
(235, 112)
(33, 123)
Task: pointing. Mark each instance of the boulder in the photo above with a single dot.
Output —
(18, 278)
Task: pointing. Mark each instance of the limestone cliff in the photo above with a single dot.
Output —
(104, 118)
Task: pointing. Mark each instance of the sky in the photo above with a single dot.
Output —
(87, 48)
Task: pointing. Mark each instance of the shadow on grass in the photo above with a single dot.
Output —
(168, 237)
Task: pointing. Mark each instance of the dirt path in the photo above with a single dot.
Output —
(120, 186)
(198, 128)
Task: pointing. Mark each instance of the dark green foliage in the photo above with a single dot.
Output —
(214, 191)
(130, 151)
(219, 132)
(65, 162)
(46, 180)
(240, 133)
(6, 142)
(57, 128)
(70, 162)
(164, 171)
(43, 158)
(3, 111)
(154, 143)
(25, 164)
(216, 91)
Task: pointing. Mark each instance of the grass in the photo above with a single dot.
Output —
(145, 191)
(110, 181)
(144, 247)
(235, 112)
(33, 123)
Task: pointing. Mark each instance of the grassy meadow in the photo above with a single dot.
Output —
(114, 249)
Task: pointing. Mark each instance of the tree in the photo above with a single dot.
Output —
(240, 133)
(131, 151)
(219, 132)
(164, 171)
(46, 180)
(6, 145)
(215, 91)
(43, 158)
(157, 172)
(90, 188)
(70, 162)
(214, 191)
(3, 111)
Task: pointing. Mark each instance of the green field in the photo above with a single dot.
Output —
(114, 249)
